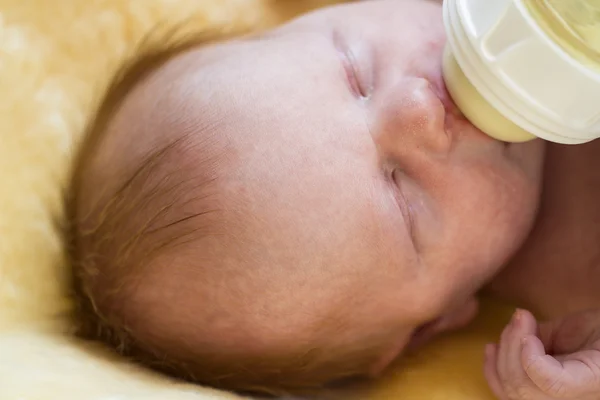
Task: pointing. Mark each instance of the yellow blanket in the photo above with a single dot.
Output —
(56, 59)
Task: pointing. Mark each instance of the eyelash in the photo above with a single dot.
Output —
(353, 77)
(350, 68)
(403, 203)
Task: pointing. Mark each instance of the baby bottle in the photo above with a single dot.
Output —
(521, 69)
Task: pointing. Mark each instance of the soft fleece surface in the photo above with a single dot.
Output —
(56, 58)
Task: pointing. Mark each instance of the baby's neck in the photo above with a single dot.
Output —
(558, 269)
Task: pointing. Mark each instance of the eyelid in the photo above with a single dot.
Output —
(351, 68)
(404, 205)
(362, 92)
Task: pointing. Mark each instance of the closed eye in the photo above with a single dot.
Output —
(403, 204)
(350, 67)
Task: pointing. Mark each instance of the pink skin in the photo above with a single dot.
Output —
(552, 361)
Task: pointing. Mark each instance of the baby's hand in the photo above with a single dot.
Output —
(556, 360)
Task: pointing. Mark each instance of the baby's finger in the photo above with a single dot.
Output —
(491, 373)
(573, 375)
(526, 323)
(503, 350)
(545, 371)
(509, 366)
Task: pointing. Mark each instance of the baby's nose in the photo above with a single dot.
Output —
(414, 117)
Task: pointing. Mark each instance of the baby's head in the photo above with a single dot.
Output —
(283, 211)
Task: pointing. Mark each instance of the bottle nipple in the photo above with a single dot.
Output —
(475, 108)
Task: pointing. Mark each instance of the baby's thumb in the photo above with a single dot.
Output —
(571, 333)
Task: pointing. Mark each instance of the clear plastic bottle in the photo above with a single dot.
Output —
(521, 69)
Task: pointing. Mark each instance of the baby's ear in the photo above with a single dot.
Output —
(455, 318)
(459, 317)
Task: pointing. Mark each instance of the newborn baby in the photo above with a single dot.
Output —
(285, 211)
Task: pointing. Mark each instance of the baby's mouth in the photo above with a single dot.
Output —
(454, 114)
(454, 117)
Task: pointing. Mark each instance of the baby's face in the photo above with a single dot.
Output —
(359, 205)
